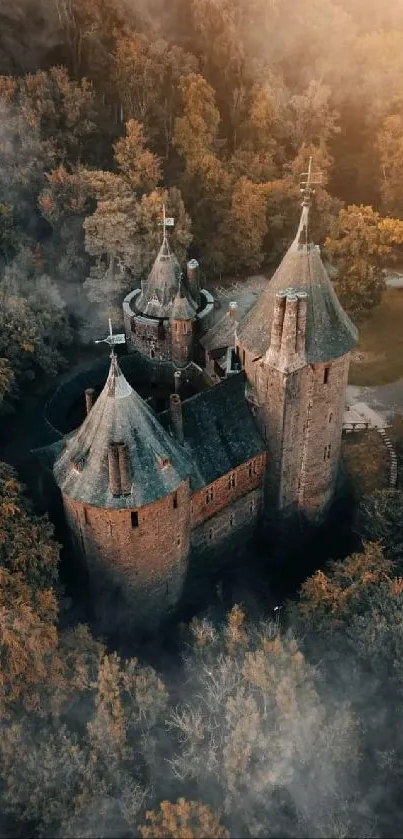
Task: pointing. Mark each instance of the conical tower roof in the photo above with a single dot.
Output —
(157, 465)
(183, 307)
(330, 332)
(160, 288)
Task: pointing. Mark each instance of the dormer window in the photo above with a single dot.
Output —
(78, 465)
(164, 462)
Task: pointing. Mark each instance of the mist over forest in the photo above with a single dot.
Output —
(244, 725)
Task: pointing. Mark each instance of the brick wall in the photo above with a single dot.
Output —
(324, 429)
(146, 564)
(208, 501)
(150, 337)
(182, 342)
(300, 416)
(244, 512)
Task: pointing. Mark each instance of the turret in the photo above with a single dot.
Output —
(126, 494)
(296, 342)
(182, 322)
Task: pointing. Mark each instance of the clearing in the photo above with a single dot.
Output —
(378, 359)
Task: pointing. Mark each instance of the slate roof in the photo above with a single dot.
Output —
(330, 332)
(220, 431)
(161, 287)
(221, 334)
(118, 415)
(183, 307)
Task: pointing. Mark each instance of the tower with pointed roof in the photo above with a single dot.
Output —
(160, 317)
(125, 490)
(295, 347)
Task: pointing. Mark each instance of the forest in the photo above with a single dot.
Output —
(279, 727)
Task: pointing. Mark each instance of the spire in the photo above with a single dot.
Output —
(307, 187)
(166, 222)
(120, 421)
(329, 333)
(183, 308)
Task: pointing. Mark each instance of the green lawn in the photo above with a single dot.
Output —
(381, 343)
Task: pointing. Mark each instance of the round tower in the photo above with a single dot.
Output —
(125, 487)
(182, 327)
(295, 347)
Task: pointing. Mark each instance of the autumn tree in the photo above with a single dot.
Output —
(190, 818)
(379, 519)
(139, 167)
(390, 149)
(245, 686)
(359, 241)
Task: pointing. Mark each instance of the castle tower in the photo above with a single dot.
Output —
(182, 324)
(125, 487)
(149, 314)
(295, 347)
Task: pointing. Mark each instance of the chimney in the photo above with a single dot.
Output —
(114, 470)
(276, 327)
(192, 272)
(301, 322)
(177, 380)
(233, 311)
(89, 398)
(289, 334)
(124, 468)
(175, 407)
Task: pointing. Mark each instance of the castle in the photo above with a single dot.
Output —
(148, 495)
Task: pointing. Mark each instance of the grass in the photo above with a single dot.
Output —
(366, 460)
(381, 343)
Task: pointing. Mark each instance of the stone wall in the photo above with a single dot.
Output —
(238, 515)
(182, 342)
(224, 492)
(150, 337)
(323, 434)
(139, 556)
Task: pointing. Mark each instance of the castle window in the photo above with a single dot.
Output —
(134, 516)
(329, 448)
(152, 353)
(326, 375)
(330, 417)
(175, 501)
(232, 520)
(252, 507)
(210, 534)
(231, 480)
(209, 495)
(178, 541)
(243, 358)
(185, 328)
(252, 468)
(326, 453)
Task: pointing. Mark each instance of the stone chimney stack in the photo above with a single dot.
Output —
(177, 380)
(124, 468)
(175, 407)
(289, 334)
(89, 398)
(192, 272)
(277, 327)
(233, 311)
(115, 485)
(301, 323)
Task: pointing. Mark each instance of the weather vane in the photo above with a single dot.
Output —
(309, 180)
(166, 222)
(112, 339)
